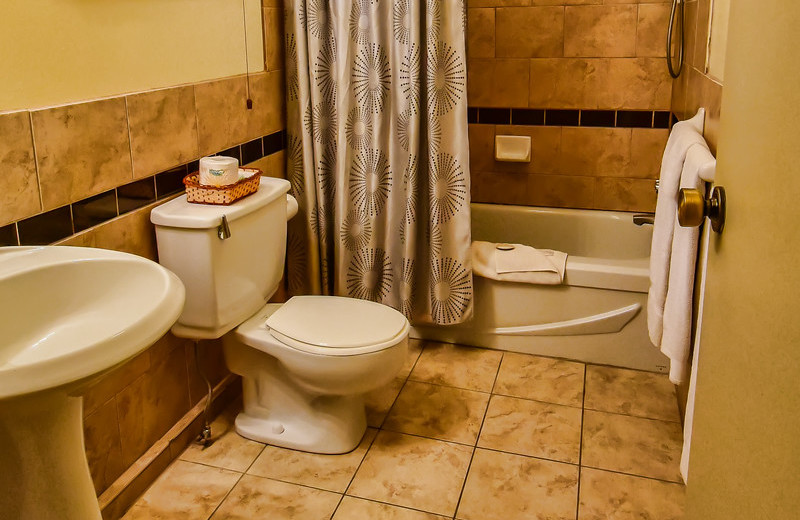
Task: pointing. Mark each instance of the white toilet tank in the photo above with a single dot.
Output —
(227, 279)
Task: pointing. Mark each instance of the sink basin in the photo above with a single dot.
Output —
(69, 315)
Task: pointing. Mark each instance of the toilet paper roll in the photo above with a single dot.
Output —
(219, 170)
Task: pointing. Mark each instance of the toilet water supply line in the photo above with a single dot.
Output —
(205, 434)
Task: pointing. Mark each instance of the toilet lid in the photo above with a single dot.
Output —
(337, 323)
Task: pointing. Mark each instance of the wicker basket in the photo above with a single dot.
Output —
(221, 195)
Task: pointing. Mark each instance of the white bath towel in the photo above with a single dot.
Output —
(677, 328)
(684, 134)
(522, 264)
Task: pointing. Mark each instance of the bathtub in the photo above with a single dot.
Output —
(597, 316)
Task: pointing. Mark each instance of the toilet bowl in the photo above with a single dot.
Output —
(305, 364)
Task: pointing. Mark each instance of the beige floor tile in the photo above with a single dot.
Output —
(540, 378)
(185, 490)
(545, 430)
(404, 470)
(631, 392)
(358, 509)
(379, 401)
(256, 497)
(646, 447)
(501, 486)
(440, 412)
(613, 496)
(454, 365)
(330, 472)
(229, 450)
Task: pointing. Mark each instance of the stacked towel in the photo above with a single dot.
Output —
(674, 248)
(518, 263)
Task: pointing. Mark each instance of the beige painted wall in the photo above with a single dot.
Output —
(61, 51)
(745, 449)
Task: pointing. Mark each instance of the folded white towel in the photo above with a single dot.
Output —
(677, 328)
(684, 134)
(523, 263)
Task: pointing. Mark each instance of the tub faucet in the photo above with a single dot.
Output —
(641, 219)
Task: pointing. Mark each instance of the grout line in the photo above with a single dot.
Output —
(580, 447)
(616, 472)
(477, 438)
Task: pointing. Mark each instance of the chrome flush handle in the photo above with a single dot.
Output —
(224, 230)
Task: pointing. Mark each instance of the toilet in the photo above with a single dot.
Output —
(305, 364)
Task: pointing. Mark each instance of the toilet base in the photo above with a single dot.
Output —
(331, 425)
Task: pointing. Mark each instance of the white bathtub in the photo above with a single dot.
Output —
(596, 316)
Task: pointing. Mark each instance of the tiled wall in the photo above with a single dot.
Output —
(89, 173)
(597, 68)
(694, 88)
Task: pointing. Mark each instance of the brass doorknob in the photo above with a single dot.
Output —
(693, 207)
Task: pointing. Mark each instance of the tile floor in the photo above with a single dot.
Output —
(461, 433)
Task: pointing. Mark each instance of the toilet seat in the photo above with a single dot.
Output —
(332, 326)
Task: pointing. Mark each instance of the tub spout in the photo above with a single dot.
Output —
(641, 219)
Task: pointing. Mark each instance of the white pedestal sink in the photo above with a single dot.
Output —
(69, 314)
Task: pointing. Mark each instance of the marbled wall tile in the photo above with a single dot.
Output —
(82, 150)
(184, 490)
(273, 39)
(600, 30)
(545, 149)
(268, 113)
(606, 495)
(272, 3)
(690, 42)
(438, 412)
(328, 472)
(481, 33)
(530, 32)
(256, 497)
(698, 57)
(603, 83)
(107, 386)
(631, 392)
(540, 378)
(19, 186)
(702, 91)
(499, 188)
(357, 509)
(103, 446)
(651, 31)
(212, 363)
(163, 128)
(131, 233)
(560, 191)
(152, 404)
(647, 150)
(453, 365)
(621, 194)
(501, 486)
(498, 83)
(229, 449)
(644, 447)
(481, 148)
(543, 430)
(222, 115)
(604, 152)
(409, 471)
(498, 3)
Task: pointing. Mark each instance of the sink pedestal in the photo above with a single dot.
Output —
(44, 474)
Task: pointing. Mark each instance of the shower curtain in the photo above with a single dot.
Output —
(378, 154)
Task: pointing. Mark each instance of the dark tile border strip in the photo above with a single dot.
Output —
(571, 117)
(58, 224)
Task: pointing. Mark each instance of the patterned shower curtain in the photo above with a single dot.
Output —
(378, 154)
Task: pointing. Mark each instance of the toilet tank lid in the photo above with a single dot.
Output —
(337, 322)
(181, 214)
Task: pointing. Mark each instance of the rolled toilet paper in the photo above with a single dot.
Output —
(219, 170)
